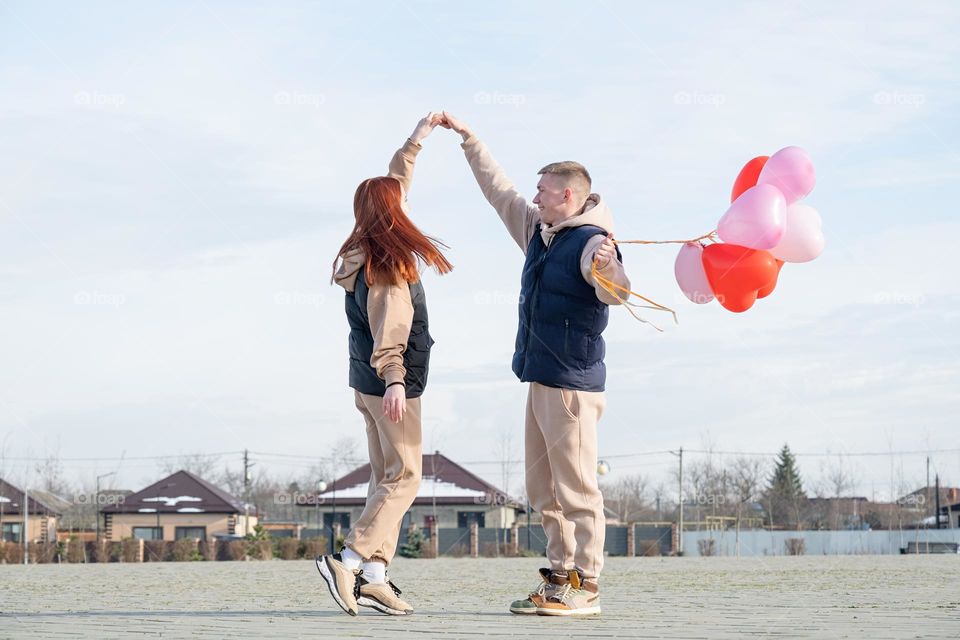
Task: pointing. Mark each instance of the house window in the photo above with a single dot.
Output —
(342, 518)
(429, 521)
(11, 531)
(466, 518)
(190, 532)
(148, 533)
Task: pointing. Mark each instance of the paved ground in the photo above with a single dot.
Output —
(835, 597)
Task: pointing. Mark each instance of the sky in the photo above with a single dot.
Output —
(176, 178)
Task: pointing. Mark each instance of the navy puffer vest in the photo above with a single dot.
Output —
(559, 342)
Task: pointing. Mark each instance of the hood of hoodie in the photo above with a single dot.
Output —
(346, 275)
(595, 212)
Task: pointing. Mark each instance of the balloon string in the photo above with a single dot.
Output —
(712, 236)
(612, 287)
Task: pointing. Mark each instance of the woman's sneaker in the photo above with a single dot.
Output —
(550, 582)
(343, 583)
(384, 597)
(576, 598)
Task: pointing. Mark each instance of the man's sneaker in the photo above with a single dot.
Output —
(384, 597)
(576, 598)
(549, 583)
(343, 583)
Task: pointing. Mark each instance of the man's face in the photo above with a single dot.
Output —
(551, 199)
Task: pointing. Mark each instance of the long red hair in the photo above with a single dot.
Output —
(390, 242)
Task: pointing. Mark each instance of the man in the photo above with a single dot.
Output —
(565, 233)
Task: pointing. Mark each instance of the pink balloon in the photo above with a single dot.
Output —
(691, 277)
(755, 219)
(802, 238)
(791, 171)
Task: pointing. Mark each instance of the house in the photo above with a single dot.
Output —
(950, 516)
(449, 496)
(182, 505)
(43, 510)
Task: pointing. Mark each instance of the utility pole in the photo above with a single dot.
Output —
(926, 490)
(26, 510)
(246, 491)
(680, 492)
(680, 533)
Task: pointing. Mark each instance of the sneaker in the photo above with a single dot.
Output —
(550, 582)
(575, 598)
(343, 583)
(384, 597)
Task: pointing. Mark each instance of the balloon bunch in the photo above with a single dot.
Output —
(765, 226)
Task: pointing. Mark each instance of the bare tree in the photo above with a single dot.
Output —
(626, 497)
(199, 464)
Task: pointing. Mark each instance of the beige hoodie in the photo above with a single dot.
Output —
(389, 308)
(521, 218)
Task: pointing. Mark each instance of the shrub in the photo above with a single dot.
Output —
(208, 549)
(237, 549)
(288, 549)
(128, 550)
(75, 550)
(795, 546)
(185, 549)
(313, 547)
(707, 547)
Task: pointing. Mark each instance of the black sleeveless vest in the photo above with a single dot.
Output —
(416, 358)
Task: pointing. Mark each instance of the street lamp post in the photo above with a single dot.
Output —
(96, 500)
(321, 487)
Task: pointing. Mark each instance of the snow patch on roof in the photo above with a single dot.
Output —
(428, 489)
(172, 502)
(189, 510)
(146, 510)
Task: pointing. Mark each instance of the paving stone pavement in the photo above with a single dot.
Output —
(782, 597)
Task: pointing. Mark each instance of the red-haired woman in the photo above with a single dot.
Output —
(378, 266)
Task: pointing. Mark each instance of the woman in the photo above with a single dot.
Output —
(389, 357)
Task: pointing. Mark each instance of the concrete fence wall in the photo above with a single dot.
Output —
(774, 543)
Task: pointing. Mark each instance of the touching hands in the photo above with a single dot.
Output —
(451, 122)
(443, 118)
(426, 126)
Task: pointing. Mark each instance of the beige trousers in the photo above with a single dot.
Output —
(395, 467)
(561, 464)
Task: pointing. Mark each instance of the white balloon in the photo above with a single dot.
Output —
(802, 237)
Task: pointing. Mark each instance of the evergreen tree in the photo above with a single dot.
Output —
(785, 498)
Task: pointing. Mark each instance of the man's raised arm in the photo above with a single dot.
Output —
(518, 215)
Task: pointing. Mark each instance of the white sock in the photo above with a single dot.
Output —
(351, 559)
(374, 572)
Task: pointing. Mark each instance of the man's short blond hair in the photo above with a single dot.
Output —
(572, 172)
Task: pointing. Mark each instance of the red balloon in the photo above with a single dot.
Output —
(738, 274)
(767, 290)
(748, 176)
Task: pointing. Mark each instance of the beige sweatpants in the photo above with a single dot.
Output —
(561, 463)
(395, 467)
